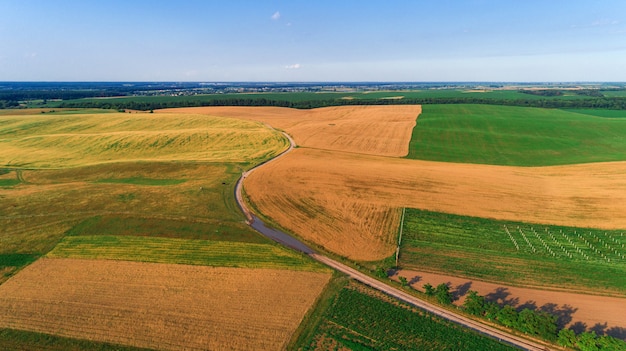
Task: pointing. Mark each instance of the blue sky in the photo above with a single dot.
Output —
(314, 40)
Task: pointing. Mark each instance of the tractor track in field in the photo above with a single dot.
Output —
(293, 243)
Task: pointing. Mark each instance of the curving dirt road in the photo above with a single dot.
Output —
(238, 187)
(293, 243)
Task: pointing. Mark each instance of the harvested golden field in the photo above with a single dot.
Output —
(161, 306)
(348, 203)
(374, 130)
(68, 140)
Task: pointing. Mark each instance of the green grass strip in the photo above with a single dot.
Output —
(16, 260)
(181, 251)
(9, 182)
(24, 340)
(143, 181)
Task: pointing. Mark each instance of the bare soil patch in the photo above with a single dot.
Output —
(163, 306)
(374, 130)
(600, 313)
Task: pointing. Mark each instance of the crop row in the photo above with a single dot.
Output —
(514, 252)
(572, 244)
(359, 321)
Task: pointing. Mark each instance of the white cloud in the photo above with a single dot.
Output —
(276, 16)
(294, 66)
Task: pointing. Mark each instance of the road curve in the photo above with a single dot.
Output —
(297, 245)
(250, 218)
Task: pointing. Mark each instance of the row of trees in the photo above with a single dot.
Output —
(604, 103)
(529, 321)
(537, 323)
(556, 92)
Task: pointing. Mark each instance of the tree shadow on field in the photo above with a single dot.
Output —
(530, 304)
(600, 329)
(617, 332)
(501, 297)
(579, 327)
(461, 290)
(415, 280)
(563, 314)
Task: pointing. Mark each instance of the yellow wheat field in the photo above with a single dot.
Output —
(345, 202)
(374, 130)
(76, 140)
(160, 306)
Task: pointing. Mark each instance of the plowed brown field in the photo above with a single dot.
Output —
(161, 306)
(374, 130)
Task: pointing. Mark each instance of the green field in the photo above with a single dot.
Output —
(600, 113)
(513, 252)
(360, 319)
(515, 136)
(183, 251)
(25, 340)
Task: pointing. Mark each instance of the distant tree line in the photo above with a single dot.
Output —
(23, 95)
(614, 103)
(557, 92)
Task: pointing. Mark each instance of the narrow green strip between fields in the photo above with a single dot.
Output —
(143, 181)
(16, 260)
(180, 251)
(9, 182)
(25, 340)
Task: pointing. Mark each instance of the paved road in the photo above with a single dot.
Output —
(297, 245)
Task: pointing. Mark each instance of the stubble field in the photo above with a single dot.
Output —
(63, 140)
(332, 198)
(160, 306)
(374, 130)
